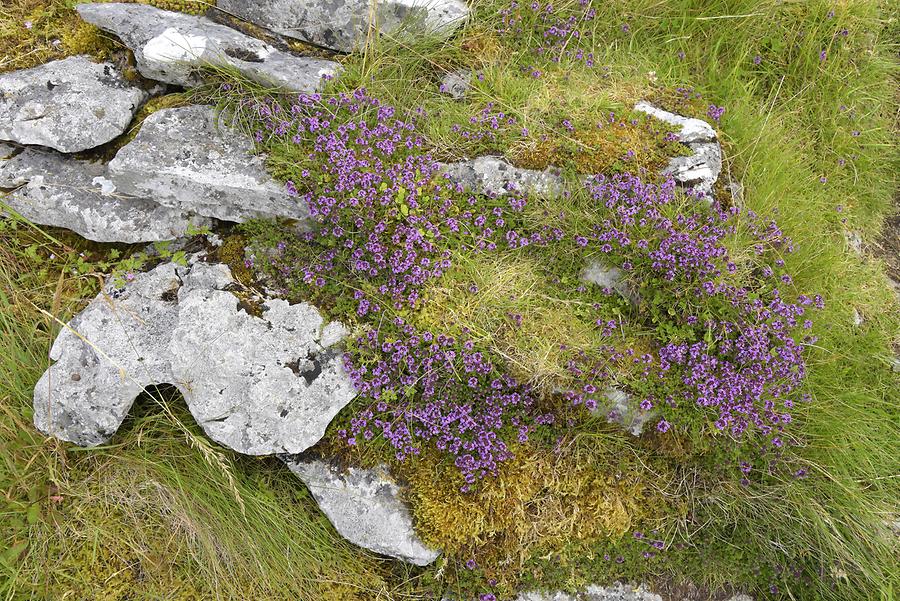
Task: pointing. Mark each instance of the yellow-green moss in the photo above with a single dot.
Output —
(540, 500)
(616, 147)
(232, 254)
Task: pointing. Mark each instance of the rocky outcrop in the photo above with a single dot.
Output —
(258, 384)
(189, 159)
(171, 47)
(345, 25)
(365, 508)
(68, 105)
(700, 170)
(495, 176)
(53, 189)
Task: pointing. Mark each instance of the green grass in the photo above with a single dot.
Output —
(201, 522)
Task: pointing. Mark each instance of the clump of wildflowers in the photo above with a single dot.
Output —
(389, 225)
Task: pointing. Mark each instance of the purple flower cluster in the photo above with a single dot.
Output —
(432, 388)
(748, 366)
(560, 29)
(389, 225)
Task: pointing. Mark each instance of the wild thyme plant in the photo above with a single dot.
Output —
(725, 351)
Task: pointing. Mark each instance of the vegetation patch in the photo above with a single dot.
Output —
(486, 364)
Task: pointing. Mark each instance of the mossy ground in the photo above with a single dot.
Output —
(164, 513)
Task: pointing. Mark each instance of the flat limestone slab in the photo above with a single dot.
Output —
(344, 25)
(494, 176)
(171, 47)
(58, 190)
(188, 159)
(69, 105)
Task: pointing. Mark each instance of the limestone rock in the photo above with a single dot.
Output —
(617, 592)
(456, 83)
(494, 176)
(701, 169)
(70, 105)
(105, 357)
(257, 384)
(187, 158)
(343, 25)
(605, 276)
(365, 508)
(61, 191)
(171, 47)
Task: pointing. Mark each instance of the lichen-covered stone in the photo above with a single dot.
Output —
(70, 105)
(493, 175)
(105, 357)
(700, 170)
(456, 83)
(344, 25)
(58, 190)
(171, 47)
(257, 384)
(365, 508)
(190, 159)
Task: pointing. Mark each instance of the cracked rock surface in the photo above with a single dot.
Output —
(701, 169)
(257, 384)
(189, 159)
(49, 188)
(171, 47)
(365, 508)
(69, 105)
(493, 175)
(343, 25)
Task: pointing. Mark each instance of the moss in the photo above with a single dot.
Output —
(542, 500)
(232, 254)
(192, 7)
(636, 145)
(33, 32)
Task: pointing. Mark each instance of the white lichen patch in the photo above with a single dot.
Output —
(172, 45)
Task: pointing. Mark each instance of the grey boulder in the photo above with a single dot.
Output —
(49, 188)
(344, 25)
(258, 384)
(70, 105)
(700, 170)
(105, 357)
(365, 508)
(171, 47)
(494, 176)
(187, 158)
